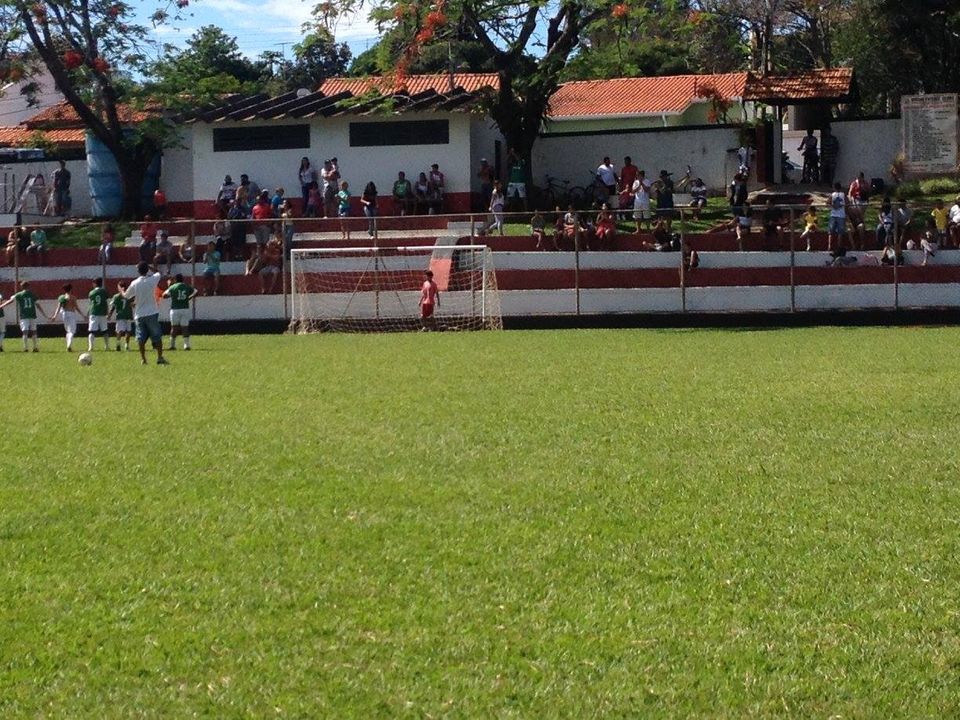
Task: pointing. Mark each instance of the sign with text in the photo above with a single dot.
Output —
(930, 133)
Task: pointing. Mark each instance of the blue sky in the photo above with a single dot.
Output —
(261, 25)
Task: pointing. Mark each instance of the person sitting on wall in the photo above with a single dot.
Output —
(698, 197)
(404, 200)
(164, 253)
(227, 192)
(160, 204)
(605, 228)
(421, 194)
(438, 186)
(772, 225)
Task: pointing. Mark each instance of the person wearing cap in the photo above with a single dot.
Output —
(485, 174)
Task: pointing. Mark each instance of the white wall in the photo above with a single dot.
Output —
(705, 150)
(868, 145)
(483, 137)
(12, 175)
(329, 137)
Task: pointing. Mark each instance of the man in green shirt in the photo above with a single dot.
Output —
(517, 182)
(124, 311)
(180, 294)
(38, 243)
(403, 199)
(97, 322)
(27, 307)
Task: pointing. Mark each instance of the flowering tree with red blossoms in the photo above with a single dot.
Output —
(529, 44)
(90, 47)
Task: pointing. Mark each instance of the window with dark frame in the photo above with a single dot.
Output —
(400, 132)
(263, 137)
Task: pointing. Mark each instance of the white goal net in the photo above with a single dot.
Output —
(366, 289)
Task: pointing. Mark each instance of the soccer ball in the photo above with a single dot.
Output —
(85, 359)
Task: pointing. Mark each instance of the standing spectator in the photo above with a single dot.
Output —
(953, 224)
(148, 239)
(146, 311)
(829, 151)
(421, 194)
(251, 188)
(665, 207)
(859, 191)
(329, 176)
(227, 192)
(608, 176)
(517, 179)
(107, 239)
(61, 189)
(211, 270)
(276, 201)
(237, 232)
(160, 204)
(38, 244)
(808, 147)
(929, 243)
(884, 232)
(314, 201)
(286, 225)
(838, 216)
(485, 174)
(307, 176)
(904, 222)
(164, 252)
(243, 199)
(497, 204)
(368, 200)
(641, 200)
(403, 197)
(628, 173)
(438, 185)
(941, 219)
(343, 208)
(738, 194)
(263, 215)
(859, 196)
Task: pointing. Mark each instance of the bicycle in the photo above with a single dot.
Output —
(558, 193)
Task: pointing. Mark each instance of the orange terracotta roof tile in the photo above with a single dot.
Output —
(831, 84)
(63, 115)
(413, 84)
(23, 137)
(668, 95)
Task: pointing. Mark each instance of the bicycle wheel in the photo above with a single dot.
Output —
(577, 196)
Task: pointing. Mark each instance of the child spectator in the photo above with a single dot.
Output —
(941, 219)
(211, 270)
(160, 204)
(809, 225)
(930, 241)
(497, 202)
(772, 225)
(571, 226)
(698, 197)
(628, 175)
(904, 222)
(286, 225)
(38, 244)
(838, 216)
(538, 229)
(106, 244)
(237, 231)
(276, 201)
(368, 200)
(343, 208)
(605, 228)
(314, 201)
(884, 232)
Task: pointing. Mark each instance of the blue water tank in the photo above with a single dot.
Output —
(106, 188)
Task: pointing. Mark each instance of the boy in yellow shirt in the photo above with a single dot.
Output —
(940, 218)
(810, 225)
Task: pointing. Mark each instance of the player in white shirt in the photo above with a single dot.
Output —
(146, 312)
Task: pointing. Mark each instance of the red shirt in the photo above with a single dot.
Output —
(428, 293)
(262, 211)
(148, 231)
(627, 175)
(159, 199)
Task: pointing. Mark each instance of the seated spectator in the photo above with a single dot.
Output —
(263, 215)
(571, 226)
(211, 270)
(227, 192)
(891, 255)
(904, 224)
(421, 194)
(38, 244)
(235, 249)
(403, 197)
(884, 232)
(538, 230)
(271, 263)
(691, 259)
(857, 228)
(186, 250)
(930, 241)
(148, 239)
(698, 197)
(558, 229)
(160, 204)
(164, 253)
(772, 225)
(17, 241)
(220, 232)
(605, 228)
(106, 244)
(438, 186)
(839, 257)
(809, 225)
(663, 240)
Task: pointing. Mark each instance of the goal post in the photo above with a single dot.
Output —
(377, 289)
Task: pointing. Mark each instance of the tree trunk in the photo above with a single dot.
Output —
(132, 174)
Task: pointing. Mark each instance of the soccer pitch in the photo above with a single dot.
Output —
(518, 524)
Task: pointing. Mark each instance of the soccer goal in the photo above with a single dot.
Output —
(366, 289)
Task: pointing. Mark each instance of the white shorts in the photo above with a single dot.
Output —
(124, 326)
(516, 190)
(70, 322)
(97, 323)
(180, 318)
(28, 326)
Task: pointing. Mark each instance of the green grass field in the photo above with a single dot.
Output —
(520, 524)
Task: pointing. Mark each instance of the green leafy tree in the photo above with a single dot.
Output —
(89, 48)
(316, 57)
(210, 64)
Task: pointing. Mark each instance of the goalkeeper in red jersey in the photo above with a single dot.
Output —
(429, 300)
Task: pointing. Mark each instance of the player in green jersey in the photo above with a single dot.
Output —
(180, 294)
(99, 306)
(27, 306)
(124, 312)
